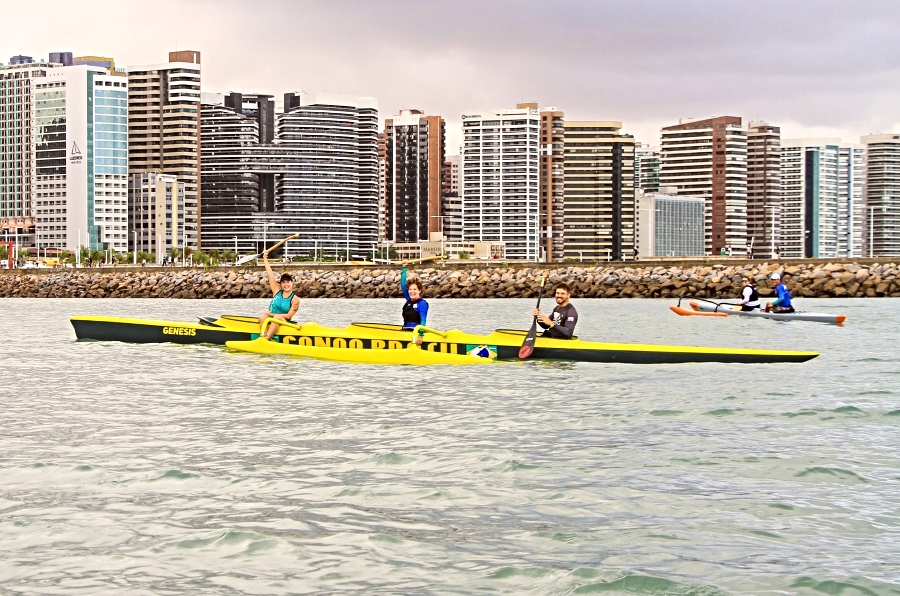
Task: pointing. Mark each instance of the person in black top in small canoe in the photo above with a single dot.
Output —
(560, 324)
(749, 295)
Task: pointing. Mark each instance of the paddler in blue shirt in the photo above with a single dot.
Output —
(284, 304)
(415, 311)
(783, 302)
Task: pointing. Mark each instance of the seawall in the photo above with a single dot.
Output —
(834, 279)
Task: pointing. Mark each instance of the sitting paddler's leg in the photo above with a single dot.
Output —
(263, 328)
(273, 327)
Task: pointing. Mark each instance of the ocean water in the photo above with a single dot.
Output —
(169, 469)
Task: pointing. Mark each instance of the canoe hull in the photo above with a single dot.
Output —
(384, 341)
(706, 308)
(410, 355)
(151, 332)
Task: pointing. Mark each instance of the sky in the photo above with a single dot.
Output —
(817, 68)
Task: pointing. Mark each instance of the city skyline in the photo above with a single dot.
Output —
(827, 72)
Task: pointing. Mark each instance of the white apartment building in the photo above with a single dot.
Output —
(821, 198)
(500, 180)
(79, 159)
(881, 227)
(708, 158)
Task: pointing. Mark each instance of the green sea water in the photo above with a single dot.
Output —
(169, 469)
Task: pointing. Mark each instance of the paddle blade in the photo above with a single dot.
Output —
(246, 259)
(528, 345)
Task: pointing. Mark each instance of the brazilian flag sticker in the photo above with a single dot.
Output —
(257, 336)
(482, 351)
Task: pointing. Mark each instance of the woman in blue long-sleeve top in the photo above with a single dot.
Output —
(415, 311)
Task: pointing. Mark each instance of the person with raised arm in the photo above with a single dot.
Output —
(415, 311)
(284, 304)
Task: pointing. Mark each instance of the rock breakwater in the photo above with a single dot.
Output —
(634, 280)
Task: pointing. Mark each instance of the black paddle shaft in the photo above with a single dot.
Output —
(528, 345)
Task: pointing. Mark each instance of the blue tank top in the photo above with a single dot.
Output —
(281, 304)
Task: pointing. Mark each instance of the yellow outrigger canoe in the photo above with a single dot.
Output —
(385, 343)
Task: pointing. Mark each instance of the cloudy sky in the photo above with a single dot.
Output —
(814, 67)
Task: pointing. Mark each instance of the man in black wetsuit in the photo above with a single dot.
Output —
(561, 322)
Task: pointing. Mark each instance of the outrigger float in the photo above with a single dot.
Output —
(390, 344)
(708, 308)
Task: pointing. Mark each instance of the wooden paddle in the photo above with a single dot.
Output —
(424, 259)
(249, 258)
(528, 345)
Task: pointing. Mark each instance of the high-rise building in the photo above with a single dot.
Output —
(159, 200)
(452, 199)
(239, 164)
(164, 130)
(320, 161)
(763, 187)
(599, 191)
(882, 195)
(232, 141)
(331, 191)
(646, 168)
(79, 159)
(708, 158)
(501, 168)
(452, 167)
(16, 121)
(670, 225)
(552, 181)
(414, 169)
(382, 187)
(260, 108)
(821, 199)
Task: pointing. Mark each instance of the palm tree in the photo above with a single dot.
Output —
(97, 256)
(201, 258)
